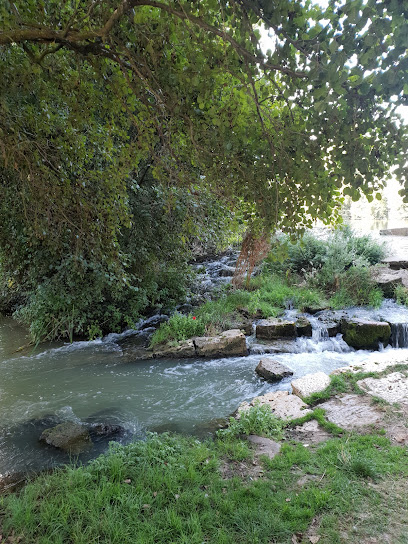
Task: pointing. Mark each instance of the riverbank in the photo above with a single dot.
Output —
(315, 481)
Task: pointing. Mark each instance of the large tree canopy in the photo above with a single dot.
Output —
(96, 97)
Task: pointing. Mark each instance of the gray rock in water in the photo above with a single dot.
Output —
(272, 370)
(364, 334)
(227, 344)
(269, 329)
(69, 436)
(303, 327)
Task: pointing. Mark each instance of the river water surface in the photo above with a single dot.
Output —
(95, 382)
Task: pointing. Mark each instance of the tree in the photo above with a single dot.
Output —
(93, 91)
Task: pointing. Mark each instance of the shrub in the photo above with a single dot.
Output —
(356, 288)
(258, 419)
(178, 327)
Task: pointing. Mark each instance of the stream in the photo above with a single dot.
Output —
(96, 382)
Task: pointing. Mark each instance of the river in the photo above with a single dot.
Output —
(94, 382)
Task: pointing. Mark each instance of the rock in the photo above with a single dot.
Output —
(272, 370)
(153, 321)
(391, 388)
(396, 264)
(351, 412)
(309, 433)
(314, 309)
(386, 279)
(303, 327)
(69, 436)
(183, 349)
(283, 405)
(269, 329)
(311, 383)
(403, 231)
(106, 430)
(376, 362)
(274, 346)
(227, 344)
(264, 446)
(364, 334)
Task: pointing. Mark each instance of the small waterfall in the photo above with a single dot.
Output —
(399, 335)
(319, 331)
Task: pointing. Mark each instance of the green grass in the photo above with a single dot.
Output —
(267, 296)
(169, 490)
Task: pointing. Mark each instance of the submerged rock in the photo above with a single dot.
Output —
(227, 344)
(274, 346)
(364, 334)
(270, 329)
(272, 370)
(69, 436)
(309, 384)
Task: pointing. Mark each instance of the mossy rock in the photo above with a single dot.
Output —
(363, 334)
(69, 436)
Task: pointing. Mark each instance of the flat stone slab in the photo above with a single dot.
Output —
(351, 412)
(309, 433)
(264, 446)
(269, 329)
(375, 362)
(227, 344)
(391, 388)
(272, 370)
(309, 384)
(282, 404)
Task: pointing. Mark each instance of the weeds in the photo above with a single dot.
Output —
(258, 419)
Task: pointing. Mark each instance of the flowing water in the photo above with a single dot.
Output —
(95, 382)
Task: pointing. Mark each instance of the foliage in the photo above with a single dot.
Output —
(401, 294)
(356, 288)
(121, 122)
(178, 327)
(258, 419)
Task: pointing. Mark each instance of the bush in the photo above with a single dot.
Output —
(356, 288)
(178, 327)
(258, 419)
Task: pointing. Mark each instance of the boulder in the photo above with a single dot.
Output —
(391, 388)
(272, 370)
(69, 436)
(386, 279)
(106, 430)
(364, 334)
(309, 384)
(283, 405)
(269, 329)
(183, 349)
(227, 344)
(303, 327)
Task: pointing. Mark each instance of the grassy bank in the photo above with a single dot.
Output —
(173, 489)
